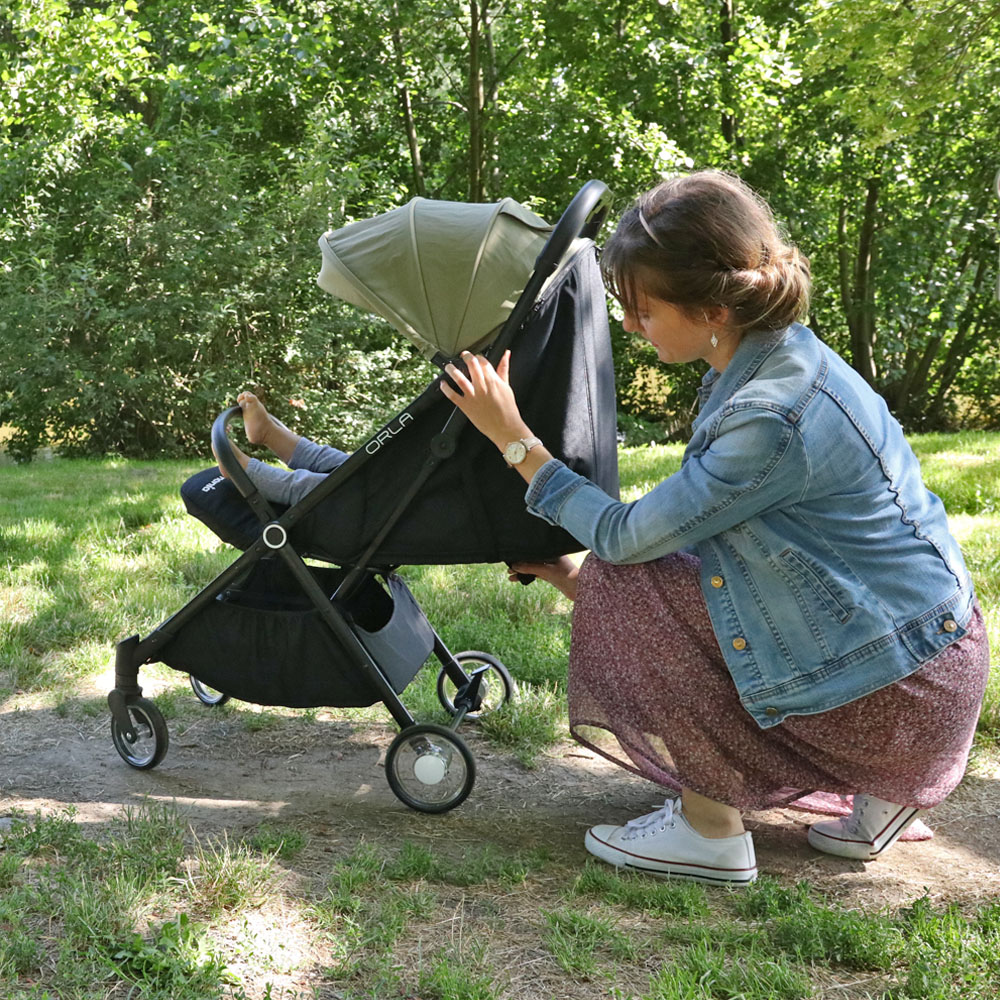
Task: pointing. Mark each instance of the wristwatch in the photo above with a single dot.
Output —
(517, 451)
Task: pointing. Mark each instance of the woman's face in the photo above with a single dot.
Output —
(677, 336)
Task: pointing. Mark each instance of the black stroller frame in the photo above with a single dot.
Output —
(428, 766)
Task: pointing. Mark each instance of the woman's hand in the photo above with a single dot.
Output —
(562, 573)
(487, 399)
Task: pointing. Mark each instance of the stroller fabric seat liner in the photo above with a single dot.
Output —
(445, 274)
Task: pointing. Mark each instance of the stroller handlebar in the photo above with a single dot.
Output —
(583, 217)
(224, 452)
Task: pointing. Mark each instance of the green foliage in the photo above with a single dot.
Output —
(576, 940)
(279, 841)
(174, 957)
(663, 898)
(453, 975)
(226, 877)
(160, 232)
(533, 720)
(706, 971)
(166, 171)
(51, 835)
(483, 865)
(946, 957)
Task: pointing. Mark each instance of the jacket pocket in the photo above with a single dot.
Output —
(824, 591)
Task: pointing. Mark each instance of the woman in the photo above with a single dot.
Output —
(786, 613)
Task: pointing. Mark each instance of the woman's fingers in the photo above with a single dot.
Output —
(484, 395)
(477, 381)
(479, 369)
(460, 380)
(503, 369)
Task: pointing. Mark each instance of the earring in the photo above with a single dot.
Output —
(714, 339)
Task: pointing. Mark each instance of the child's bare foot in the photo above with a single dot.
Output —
(261, 428)
(257, 422)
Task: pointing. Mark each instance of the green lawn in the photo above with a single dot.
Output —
(147, 910)
(93, 551)
(142, 906)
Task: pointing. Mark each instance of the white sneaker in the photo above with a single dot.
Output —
(664, 843)
(873, 825)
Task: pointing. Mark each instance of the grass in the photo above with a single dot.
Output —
(92, 551)
(142, 905)
(89, 913)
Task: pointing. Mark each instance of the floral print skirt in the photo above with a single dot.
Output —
(646, 668)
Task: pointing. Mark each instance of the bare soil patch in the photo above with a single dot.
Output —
(325, 778)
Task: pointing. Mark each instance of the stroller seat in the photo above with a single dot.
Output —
(423, 489)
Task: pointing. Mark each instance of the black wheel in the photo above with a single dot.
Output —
(430, 768)
(495, 689)
(151, 739)
(207, 695)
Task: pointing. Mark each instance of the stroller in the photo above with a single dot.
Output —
(273, 629)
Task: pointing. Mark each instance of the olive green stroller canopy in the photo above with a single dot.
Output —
(444, 274)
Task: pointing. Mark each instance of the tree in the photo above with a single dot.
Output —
(166, 170)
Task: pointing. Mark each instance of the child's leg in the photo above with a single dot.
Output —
(215, 501)
(262, 428)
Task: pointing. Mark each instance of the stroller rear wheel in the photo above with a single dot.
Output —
(151, 739)
(207, 695)
(430, 768)
(495, 689)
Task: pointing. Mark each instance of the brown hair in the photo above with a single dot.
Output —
(705, 240)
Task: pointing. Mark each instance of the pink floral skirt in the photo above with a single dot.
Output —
(645, 667)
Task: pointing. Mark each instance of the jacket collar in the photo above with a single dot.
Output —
(717, 387)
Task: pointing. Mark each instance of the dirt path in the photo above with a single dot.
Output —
(326, 778)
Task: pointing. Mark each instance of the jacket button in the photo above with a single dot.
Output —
(770, 710)
(739, 642)
(950, 625)
(717, 582)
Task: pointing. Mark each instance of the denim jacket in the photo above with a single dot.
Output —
(827, 566)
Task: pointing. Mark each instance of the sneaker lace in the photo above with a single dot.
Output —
(662, 817)
(852, 823)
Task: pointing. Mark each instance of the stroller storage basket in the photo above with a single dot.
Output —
(263, 641)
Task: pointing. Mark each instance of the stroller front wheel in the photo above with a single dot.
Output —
(207, 695)
(495, 688)
(430, 768)
(151, 740)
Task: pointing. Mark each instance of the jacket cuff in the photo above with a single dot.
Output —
(540, 480)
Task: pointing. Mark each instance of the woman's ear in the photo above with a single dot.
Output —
(718, 316)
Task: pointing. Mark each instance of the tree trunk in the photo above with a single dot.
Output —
(727, 32)
(406, 106)
(489, 128)
(475, 103)
(908, 397)
(857, 289)
(954, 359)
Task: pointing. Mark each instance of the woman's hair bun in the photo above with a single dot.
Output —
(705, 240)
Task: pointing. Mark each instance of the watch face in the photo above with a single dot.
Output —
(515, 452)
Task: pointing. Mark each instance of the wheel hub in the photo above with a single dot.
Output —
(430, 768)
